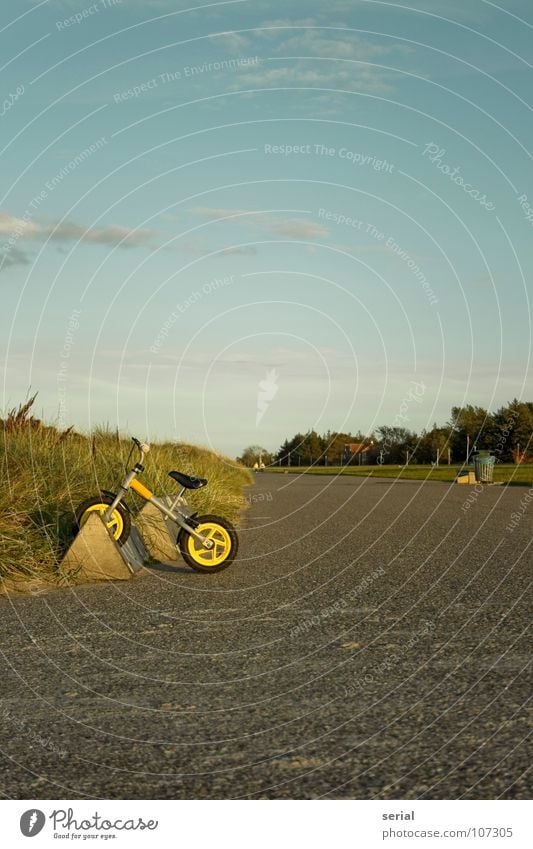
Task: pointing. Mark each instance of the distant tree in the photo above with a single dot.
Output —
(504, 432)
(282, 455)
(512, 432)
(394, 444)
(433, 443)
(251, 455)
(469, 426)
(296, 455)
(523, 429)
(313, 448)
(335, 447)
(292, 451)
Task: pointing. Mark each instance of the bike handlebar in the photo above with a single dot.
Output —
(142, 446)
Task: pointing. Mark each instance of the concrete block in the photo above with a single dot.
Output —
(160, 534)
(94, 556)
(134, 551)
(467, 477)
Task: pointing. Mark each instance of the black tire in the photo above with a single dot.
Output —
(227, 546)
(122, 528)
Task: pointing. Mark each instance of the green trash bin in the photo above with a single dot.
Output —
(484, 467)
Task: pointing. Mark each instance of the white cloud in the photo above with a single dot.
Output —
(234, 42)
(318, 41)
(9, 224)
(17, 229)
(318, 55)
(323, 74)
(295, 228)
(293, 362)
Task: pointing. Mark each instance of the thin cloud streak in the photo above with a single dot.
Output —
(294, 228)
(29, 230)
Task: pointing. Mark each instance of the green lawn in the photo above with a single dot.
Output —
(511, 474)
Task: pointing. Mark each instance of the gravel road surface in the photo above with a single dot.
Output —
(369, 642)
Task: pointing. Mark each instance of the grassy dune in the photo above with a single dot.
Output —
(45, 474)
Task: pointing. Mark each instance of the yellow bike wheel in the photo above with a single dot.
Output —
(119, 525)
(225, 544)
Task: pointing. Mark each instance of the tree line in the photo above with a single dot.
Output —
(507, 433)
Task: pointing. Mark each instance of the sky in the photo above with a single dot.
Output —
(228, 222)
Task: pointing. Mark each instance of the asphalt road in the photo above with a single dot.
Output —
(369, 642)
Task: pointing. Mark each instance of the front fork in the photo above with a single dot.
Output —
(122, 490)
(118, 498)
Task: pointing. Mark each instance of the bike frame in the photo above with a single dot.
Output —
(170, 511)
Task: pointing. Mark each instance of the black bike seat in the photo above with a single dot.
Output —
(188, 481)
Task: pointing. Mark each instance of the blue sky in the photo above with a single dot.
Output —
(227, 222)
